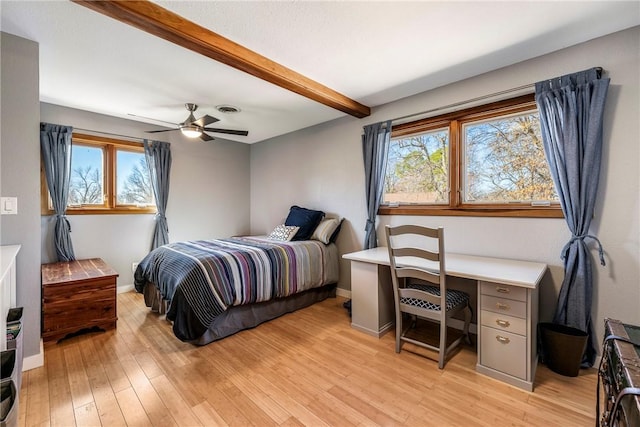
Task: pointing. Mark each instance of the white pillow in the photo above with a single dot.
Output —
(325, 229)
(284, 233)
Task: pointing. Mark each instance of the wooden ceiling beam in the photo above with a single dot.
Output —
(167, 25)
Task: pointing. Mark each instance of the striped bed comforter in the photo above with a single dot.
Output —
(213, 275)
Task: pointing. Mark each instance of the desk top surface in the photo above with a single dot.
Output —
(501, 270)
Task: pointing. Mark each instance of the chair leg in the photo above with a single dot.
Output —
(467, 321)
(443, 341)
(398, 330)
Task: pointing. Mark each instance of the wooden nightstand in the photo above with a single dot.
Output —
(77, 295)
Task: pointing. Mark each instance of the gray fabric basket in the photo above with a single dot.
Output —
(8, 404)
(14, 342)
(9, 367)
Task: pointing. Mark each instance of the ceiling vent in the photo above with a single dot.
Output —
(227, 109)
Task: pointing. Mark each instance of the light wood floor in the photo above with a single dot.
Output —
(305, 368)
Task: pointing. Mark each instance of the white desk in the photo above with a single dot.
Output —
(507, 307)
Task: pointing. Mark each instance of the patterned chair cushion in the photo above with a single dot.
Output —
(454, 297)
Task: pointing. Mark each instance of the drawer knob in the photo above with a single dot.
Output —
(502, 306)
(502, 340)
(503, 323)
(502, 290)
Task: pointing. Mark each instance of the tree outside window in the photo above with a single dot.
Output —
(418, 169)
(86, 186)
(134, 180)
(483, 161)
(505, 162)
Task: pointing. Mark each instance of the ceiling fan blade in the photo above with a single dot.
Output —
(158, 131)
(206, 137)
(228, 131)
(205, 120)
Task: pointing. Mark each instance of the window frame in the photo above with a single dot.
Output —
(110, 205)
(456, 206)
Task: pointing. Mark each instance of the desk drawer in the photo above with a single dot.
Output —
(501, 322)
(503, 291)
(504, 306)
(503, 351)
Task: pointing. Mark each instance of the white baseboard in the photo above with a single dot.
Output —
(125, 288)
(35, 361)
(596, 364)
(343, 293)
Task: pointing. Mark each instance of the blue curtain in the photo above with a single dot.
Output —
(55, 144)
(375, 151)
(158, 155)
(571, 111)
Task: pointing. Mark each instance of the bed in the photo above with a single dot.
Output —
(215, 288)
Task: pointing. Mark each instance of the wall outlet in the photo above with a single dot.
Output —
(133, 267)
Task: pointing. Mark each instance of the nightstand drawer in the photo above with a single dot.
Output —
(78, 291)
(65, 315)
(499, 321)
(503, 291)
(503, 351)
(504, 306)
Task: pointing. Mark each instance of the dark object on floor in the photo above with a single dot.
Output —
(620, 376)
(347, 305)
(563, 348)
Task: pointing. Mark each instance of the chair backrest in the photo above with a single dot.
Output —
(417, 252)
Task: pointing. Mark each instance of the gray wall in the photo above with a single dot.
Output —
(321, 167)
(208, 196)
(19, 159)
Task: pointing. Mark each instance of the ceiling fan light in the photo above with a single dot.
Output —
(191, 131)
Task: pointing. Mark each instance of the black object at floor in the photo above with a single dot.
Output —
(563, 348)
(347, 305)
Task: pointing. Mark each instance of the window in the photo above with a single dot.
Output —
(86, 186)
(482, 161)
(133, 183)
(418, 169)
(107, 176)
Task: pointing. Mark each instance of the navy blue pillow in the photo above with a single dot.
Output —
(306, 219)
(334, 236)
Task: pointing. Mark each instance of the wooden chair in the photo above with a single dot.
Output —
(417, 252)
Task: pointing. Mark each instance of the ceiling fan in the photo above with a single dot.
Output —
(192, 128)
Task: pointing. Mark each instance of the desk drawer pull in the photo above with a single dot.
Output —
(502, 290)
(502, 306)
(503, 323)
(503, 340)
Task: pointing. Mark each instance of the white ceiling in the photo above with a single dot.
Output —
(373, 52)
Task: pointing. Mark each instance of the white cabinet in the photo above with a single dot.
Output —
(503, 351)
(372, 306)
(7, 287)
(507, 339)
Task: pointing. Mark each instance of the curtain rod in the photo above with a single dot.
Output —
(479, 98)
(468, 101)
(115, 134)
